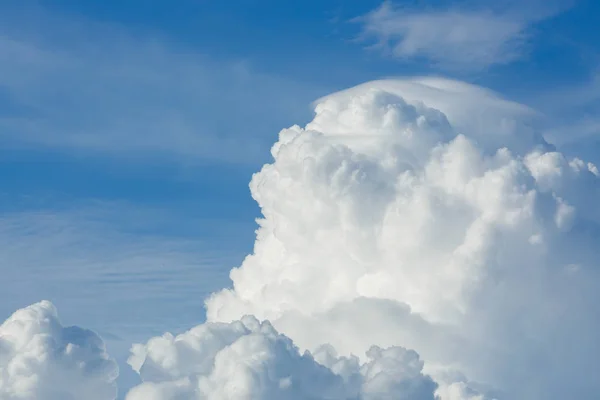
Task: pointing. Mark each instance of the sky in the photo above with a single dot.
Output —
(132, 134)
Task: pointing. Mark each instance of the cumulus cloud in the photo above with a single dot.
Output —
(246, 359)
(42, 360)
(429, 214)
(454, 38)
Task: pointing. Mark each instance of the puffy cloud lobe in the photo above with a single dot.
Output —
(250, 360)
(42, 360)
(459, 391)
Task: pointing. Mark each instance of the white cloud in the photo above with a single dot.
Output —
(452, 38)
(249, 360)
(571, 116)
(42, 360)
(429, 214)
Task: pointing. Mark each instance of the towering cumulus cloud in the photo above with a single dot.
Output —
(422, 213)
(42, 360)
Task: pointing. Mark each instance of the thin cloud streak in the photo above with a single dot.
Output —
(453, 38)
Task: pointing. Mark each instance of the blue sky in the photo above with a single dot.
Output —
(129, 130)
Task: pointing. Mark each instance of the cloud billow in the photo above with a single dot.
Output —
(41, 359)
(247, 359)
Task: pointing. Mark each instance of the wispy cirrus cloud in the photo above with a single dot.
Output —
(465, 38)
